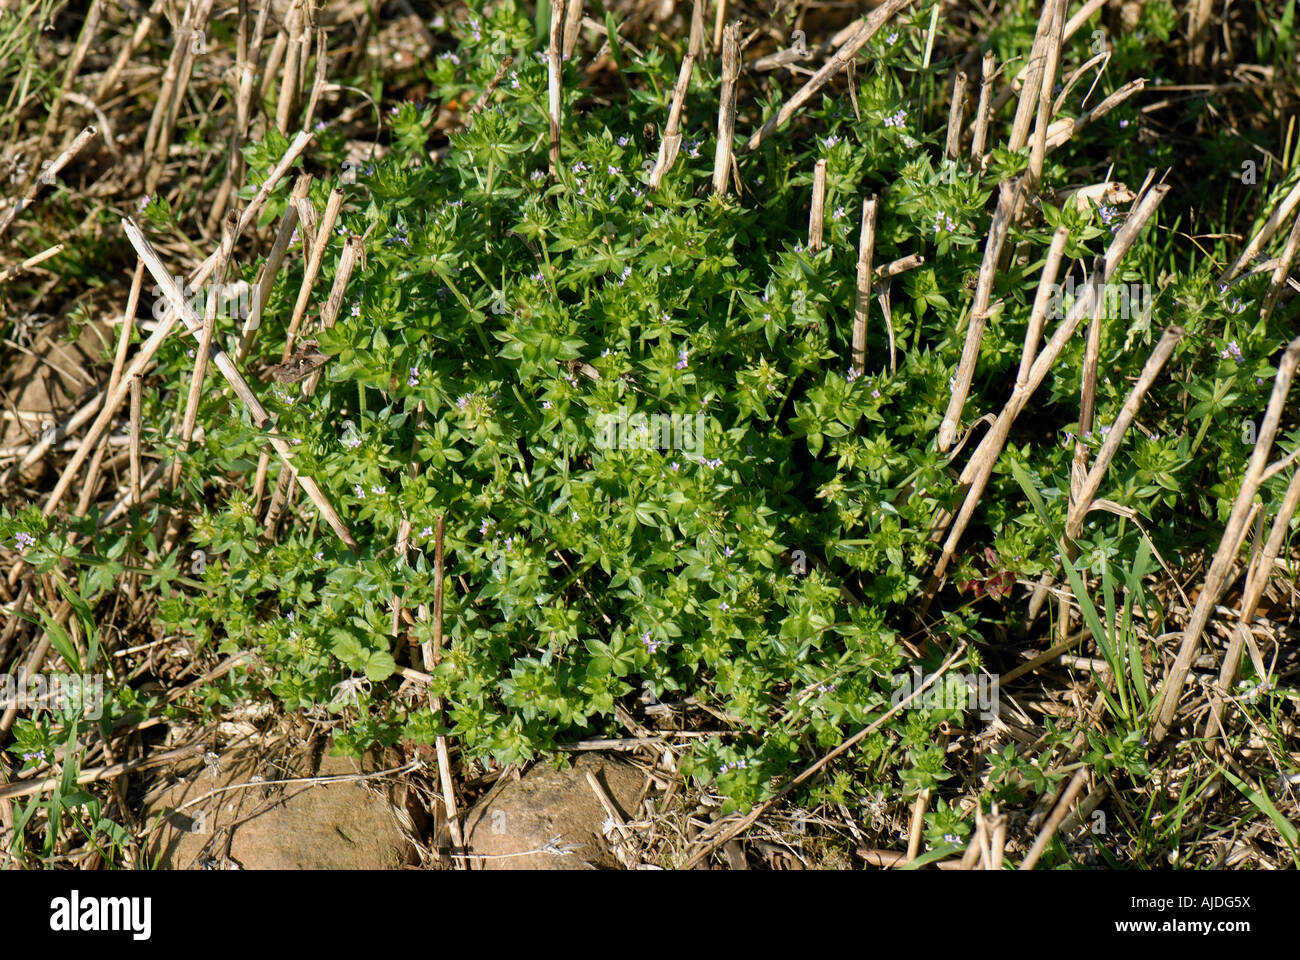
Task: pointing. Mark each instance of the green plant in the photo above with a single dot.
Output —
(507, 314)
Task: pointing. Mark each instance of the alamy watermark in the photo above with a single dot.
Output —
(81, 694)
(953, 691)
(655, 431)
(1120, 301)
(233, 300)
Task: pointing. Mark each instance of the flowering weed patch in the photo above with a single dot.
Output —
(665, 479)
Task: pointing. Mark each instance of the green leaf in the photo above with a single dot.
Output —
(1265, 805)
(938, 853)
(60, 641)
(380, 666)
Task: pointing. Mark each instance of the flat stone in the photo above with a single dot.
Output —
(341, 825)
(514, 823)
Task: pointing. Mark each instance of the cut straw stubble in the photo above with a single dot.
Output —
(205, 345)
(983, 460)
(979, 315)
(1029, 380)
(46, 176)
(329, 313)
(723, 159)
(862, 32)
(320, 237)
(956, 113)
(432, 654)
(862, 299)
(554, 91)
(189, 41)
(980, 132)
(1084, 491)
(271, 268)
(1216, 580)
(261, 419)
(1257, 578)
(672, 138)
(817, 215)
(30, 262)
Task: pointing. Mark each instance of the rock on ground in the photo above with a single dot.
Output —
(340, 825)
(523, 816)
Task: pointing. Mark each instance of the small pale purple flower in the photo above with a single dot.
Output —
(24, 539)
(356, 489)
(681, 359)
(413, 378)
(1232, 351)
